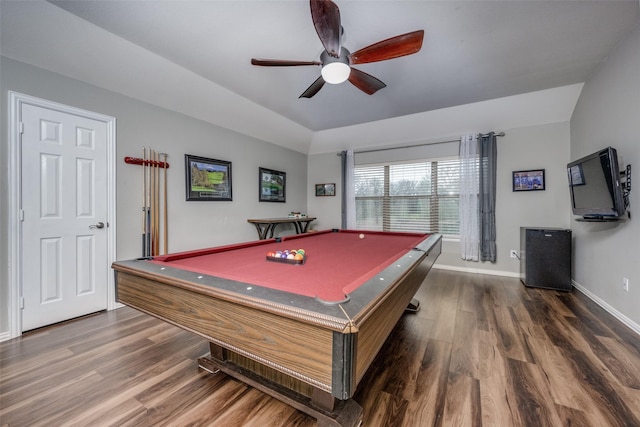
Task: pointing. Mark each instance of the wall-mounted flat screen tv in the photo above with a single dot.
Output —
(594, 183)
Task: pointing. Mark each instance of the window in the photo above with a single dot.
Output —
(420, 196)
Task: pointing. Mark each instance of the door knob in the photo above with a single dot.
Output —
(98, 225)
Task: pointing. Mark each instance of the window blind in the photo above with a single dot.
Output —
(418, 196)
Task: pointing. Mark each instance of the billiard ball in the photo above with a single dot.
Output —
(361, 236)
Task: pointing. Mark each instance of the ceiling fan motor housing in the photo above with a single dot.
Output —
(335, 70)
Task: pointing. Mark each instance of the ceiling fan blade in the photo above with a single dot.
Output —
(365, 82)
(281, 62)
(326, 18)
(313, 89)
(404, 44)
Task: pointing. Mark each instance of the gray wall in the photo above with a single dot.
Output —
(192, 224)
(533, 147)
(323, 169)
(608, 114)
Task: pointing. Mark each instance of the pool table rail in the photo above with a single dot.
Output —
(300, 307)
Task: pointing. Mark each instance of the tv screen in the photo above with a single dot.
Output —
(594, 183)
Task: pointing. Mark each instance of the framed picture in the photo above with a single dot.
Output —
(271, 185)
(325, 190)
(531, 180)
(207, 179)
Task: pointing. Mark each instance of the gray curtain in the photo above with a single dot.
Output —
(487, 196)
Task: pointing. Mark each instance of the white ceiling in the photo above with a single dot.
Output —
(473, 51)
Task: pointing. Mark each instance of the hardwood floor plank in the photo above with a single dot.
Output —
(482, 351)
(467, 296)
(387, 410)
(594, 375)
(627, 374)
(508, 334)
(445, 322)
(532, 395)
(632, 397)
(464, 353)
(116, 415)
(426, 407)
(570, 417)
(16, 372)
(601, 391)
(109, 401)
(565, 388)
(40, 409)
(463, 406)
(579, 312)
(623, 365)
(47, 376)
(498, 405)
(201, 387)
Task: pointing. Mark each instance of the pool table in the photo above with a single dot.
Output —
(304, 333)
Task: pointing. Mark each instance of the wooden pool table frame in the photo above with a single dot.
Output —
(310, 354)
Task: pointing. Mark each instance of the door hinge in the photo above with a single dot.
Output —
(21, 215)
(22, 303)
(21, 127)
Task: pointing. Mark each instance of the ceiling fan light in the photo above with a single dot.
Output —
(335, 72)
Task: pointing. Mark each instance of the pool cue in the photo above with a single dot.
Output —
(145, 171)
(165, 218)
(144, 205)
(148, 201)
(152, 202)
(156, 172)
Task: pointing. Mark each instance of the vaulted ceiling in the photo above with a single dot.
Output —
(473, 50)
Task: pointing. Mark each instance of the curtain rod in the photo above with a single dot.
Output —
(417, 145)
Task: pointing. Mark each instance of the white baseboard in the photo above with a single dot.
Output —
(5, 336)
(612, 311)
(476, 270)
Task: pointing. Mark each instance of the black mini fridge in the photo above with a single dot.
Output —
(545, 258)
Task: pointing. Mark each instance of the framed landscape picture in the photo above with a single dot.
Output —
(531, 180)
(271, 185)
(326, 189)
(207, 179)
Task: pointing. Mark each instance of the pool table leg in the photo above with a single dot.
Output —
(326, 409)
(414, 306)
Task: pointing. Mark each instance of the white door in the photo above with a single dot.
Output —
(64, 207)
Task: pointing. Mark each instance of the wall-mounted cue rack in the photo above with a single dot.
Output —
(154, 200)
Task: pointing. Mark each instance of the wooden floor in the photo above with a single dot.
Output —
(482, 351)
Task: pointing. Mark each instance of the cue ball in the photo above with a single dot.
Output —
(361, 236)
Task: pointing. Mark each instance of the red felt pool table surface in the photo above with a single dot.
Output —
(336, 263)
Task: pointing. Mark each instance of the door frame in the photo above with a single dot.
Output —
(15, 261)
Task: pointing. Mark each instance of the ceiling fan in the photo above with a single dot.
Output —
(336, 61)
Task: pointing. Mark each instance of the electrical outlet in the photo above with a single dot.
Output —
(514, 253)
(625, 284)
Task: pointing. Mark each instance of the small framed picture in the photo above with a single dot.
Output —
(325, 189)
(272, 185)
(531, 180)
(207, 179)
